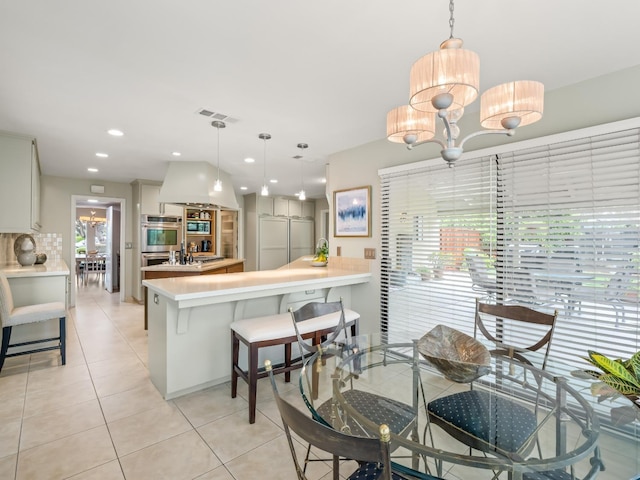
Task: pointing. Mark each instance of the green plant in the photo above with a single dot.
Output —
(322, 250)
(615, 378)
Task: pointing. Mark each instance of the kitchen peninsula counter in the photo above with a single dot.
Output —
(189, 317)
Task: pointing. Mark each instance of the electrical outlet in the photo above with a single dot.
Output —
(370, 253)
(128, 245)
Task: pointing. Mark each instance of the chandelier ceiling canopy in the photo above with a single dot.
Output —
(442, 84)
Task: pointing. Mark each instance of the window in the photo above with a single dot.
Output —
(552, 226)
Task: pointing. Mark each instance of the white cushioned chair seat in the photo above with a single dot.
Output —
(281, 325)
(35, 313)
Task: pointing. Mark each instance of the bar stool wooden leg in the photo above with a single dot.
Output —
(253, 381)
(235, 355)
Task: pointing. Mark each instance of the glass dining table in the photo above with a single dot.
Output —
(398, 379)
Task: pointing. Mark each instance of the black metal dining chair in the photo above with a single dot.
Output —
(400, 417)
(372, 454)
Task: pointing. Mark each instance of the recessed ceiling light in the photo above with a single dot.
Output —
(92, 200)
(102, 155)
(176, 154)
(324, 180)
(92, 170)
(249, 160)
(115, 132)
(243, 188)
(273, 180)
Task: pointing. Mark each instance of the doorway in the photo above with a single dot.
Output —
(98, 225)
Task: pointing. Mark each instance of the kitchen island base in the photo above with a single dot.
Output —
(189, 317)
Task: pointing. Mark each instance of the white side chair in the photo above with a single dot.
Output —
(11, 316)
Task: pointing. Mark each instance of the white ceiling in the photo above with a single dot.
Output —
(323, 72)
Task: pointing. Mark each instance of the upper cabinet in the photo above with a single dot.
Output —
(19, 184)
(284, 207)
(149, 203)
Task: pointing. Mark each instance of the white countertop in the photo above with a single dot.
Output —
(48, 269)
(261, 283)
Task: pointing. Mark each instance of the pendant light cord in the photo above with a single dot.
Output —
(451, 19)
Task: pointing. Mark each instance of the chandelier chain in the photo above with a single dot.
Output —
(451, 19)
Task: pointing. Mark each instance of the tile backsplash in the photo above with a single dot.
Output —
(49, 243)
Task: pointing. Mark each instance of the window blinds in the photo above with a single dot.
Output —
(552, 226)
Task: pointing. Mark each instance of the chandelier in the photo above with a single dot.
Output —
(442, 83)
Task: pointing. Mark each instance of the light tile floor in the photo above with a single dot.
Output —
(99, 417)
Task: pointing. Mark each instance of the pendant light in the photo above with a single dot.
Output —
(301, 195)
(217, 187)
(265, 189)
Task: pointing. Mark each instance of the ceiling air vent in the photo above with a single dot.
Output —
(216, 115)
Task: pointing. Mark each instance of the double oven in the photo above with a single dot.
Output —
(159, 235)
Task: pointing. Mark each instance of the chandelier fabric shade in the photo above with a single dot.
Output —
(449, 70)
(522, 99)
(406, 120)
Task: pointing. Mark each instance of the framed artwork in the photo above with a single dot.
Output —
(352, 212)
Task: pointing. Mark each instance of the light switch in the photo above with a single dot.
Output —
(370, 253)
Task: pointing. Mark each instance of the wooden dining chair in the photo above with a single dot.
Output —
(372, 454)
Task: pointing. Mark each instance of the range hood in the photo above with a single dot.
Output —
(191, 184)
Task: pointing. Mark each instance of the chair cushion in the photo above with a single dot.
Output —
(370, 471)
(397, 415)
(35, 313)
(471, 418)
(280, 325)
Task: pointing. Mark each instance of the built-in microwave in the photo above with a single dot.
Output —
(195, 227)
(160, 233)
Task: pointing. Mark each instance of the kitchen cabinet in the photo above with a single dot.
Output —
(295, 208)
(149, 203)
(264, 205)
(229, 233)
(280, 207)
(200, 227)
(19, 184)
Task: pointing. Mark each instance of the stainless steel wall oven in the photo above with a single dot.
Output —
(160, 233)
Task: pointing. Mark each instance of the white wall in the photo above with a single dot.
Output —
(600, 100)
(55, 213)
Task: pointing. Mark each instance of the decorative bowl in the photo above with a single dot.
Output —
(318, 264)
(459, 357)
